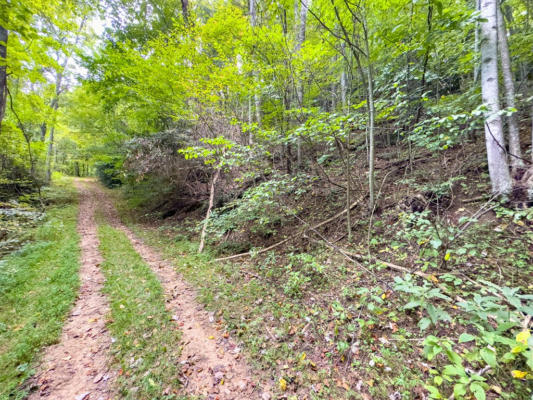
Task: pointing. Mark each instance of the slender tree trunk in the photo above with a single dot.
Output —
(55, 106)
(348, 187)
(257, 96)
(50, 155)
(429, 19)
(342, 79)
(185, 11)
(371, 117)
(512, 120)
(55, 103)
(497, 159)
(343, 89)
(333, 97)
(300, 88)
(250, 121)
(257, 101)
(43, 131)
(476, 42)
(208, 214)
(531, 116)
(371, 143)
(3, 73)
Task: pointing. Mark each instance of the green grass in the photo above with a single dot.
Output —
(146, 348)
(38, 285)
(249, 303)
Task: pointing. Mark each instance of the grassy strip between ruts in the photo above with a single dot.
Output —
(38, 285)
(146, 341)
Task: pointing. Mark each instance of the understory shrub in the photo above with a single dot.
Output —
(263, 208)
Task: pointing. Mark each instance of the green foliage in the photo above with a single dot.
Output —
(295, 283)
(303, 269)
(108, 174)
(441, 133)
(432, 237)
(262, 208)
(496, 343)
(43, 36)
(423, 297)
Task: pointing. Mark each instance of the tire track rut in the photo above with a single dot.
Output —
(212, 364)
(77, 367)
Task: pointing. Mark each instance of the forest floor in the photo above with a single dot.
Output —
(404, 310)
(78, 367)
(153, 319)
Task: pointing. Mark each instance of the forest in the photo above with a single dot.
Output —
(259, 199)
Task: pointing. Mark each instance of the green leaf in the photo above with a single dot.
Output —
(437, 314)
(436, 243)
(453, 370)
(433, 392)
(489, 356)
(412, 304)
(465, 337)
(478, 390)
(424, 323)
(323, 158)
(452, 355)
(459, 390)
(508, 357)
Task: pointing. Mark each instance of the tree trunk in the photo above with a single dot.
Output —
(343, 89)
(43, 131)
(250, 121)
(371, 144)
(419, 107)
(512, 120)
(257, 100)
(50, 155)
(300, 88)
(497, 159)
(54, 106)
(208, 214)
(55, 102)
(3, 73)
(185, 11)
(371, 112)
(531, 116)
(348, 184)
(257, 96)
(476, 42)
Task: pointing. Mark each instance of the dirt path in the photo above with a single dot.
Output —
(77, 367)
(212, 364)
